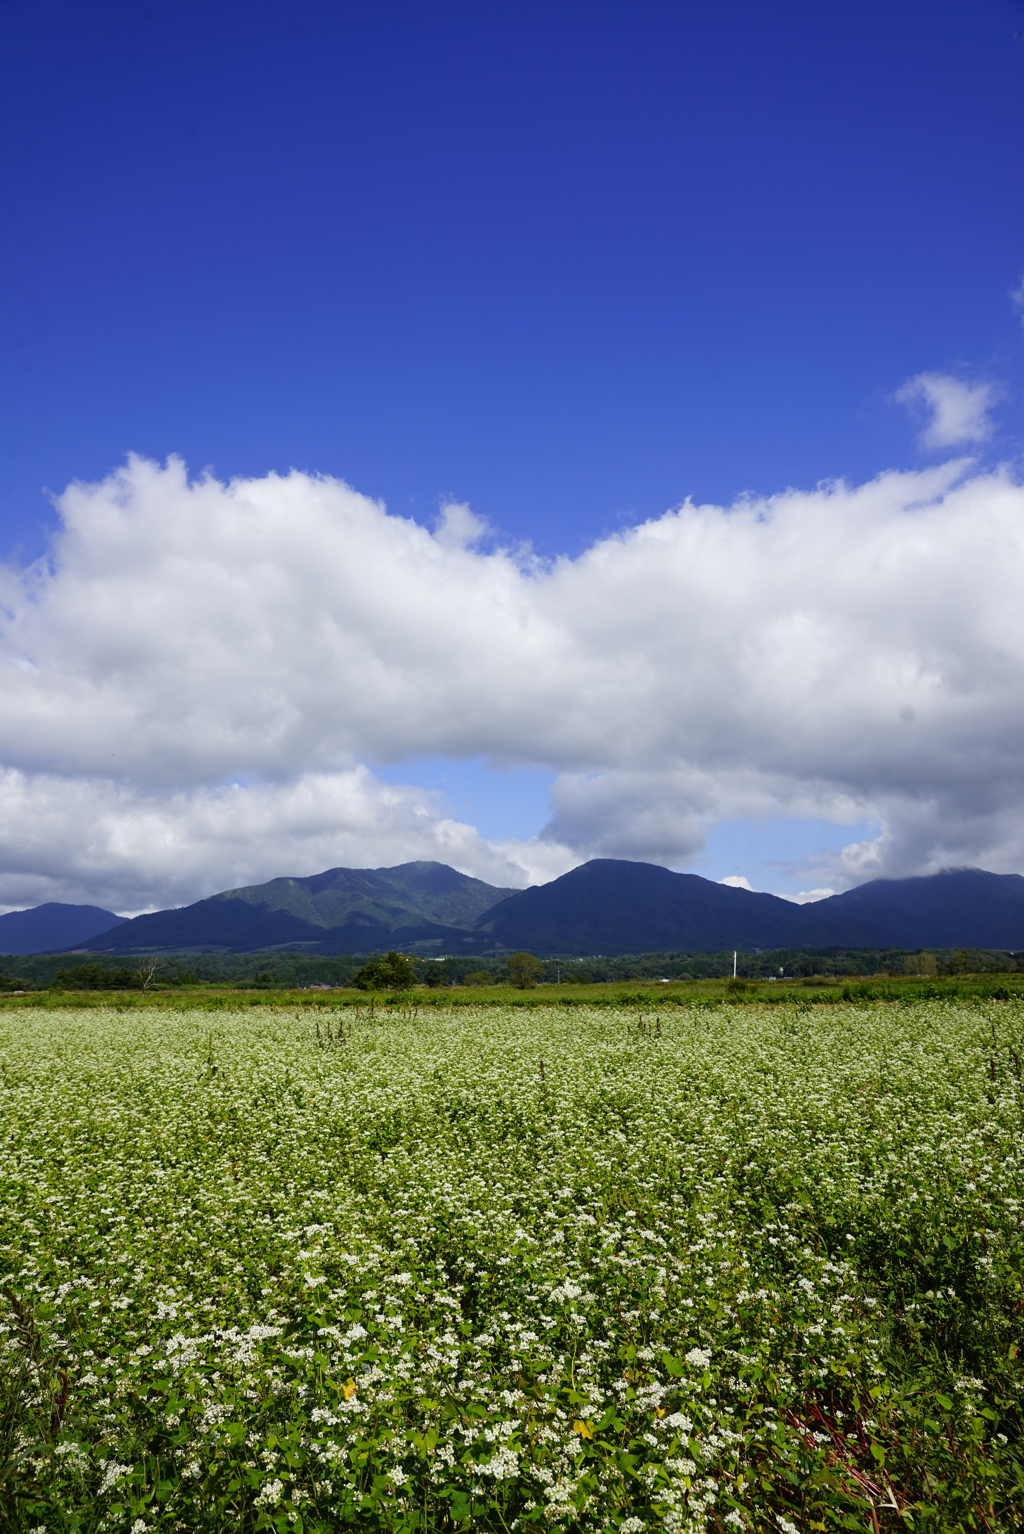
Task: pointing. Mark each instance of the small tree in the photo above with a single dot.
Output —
(147, 969)
(392, 973)
(524, 970)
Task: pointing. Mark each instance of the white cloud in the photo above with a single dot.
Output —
(807, 897)
(63, 837)
(191, 680)
(959, 411)
(458, 527)
(737, 882)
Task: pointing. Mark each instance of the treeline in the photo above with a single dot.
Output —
(285, 970)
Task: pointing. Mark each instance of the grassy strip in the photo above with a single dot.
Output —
(646, 995)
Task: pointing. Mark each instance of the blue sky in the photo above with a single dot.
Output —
(567, 263)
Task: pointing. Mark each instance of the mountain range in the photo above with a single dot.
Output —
(608, 906)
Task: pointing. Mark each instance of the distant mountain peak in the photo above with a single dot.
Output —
(45, 928)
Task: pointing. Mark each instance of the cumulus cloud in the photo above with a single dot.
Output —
(195, 677)
(959, 411)
(63, 838)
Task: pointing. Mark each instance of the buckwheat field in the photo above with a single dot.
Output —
(733, 1268)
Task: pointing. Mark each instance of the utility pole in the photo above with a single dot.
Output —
(735, 955)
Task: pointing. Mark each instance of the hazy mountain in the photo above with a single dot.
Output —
(47, 927)
(345, 910)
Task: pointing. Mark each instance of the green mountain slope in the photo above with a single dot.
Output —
(345, 910)
(426, 891)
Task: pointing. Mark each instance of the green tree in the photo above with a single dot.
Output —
(959, 962)
(524, 970)
(920, 964)
(478, 977)
(94, 977)
(392, 973)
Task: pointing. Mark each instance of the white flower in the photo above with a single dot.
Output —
(270, 1494)
(699, 1357)
(112, 1473)
(503, 1465)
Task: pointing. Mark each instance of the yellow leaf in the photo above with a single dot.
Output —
(658, 1412)
(1013, 1350)
(348, 1390)
(583, 1428)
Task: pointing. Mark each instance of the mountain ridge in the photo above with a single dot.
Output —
(607, 906)
(623, 907)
